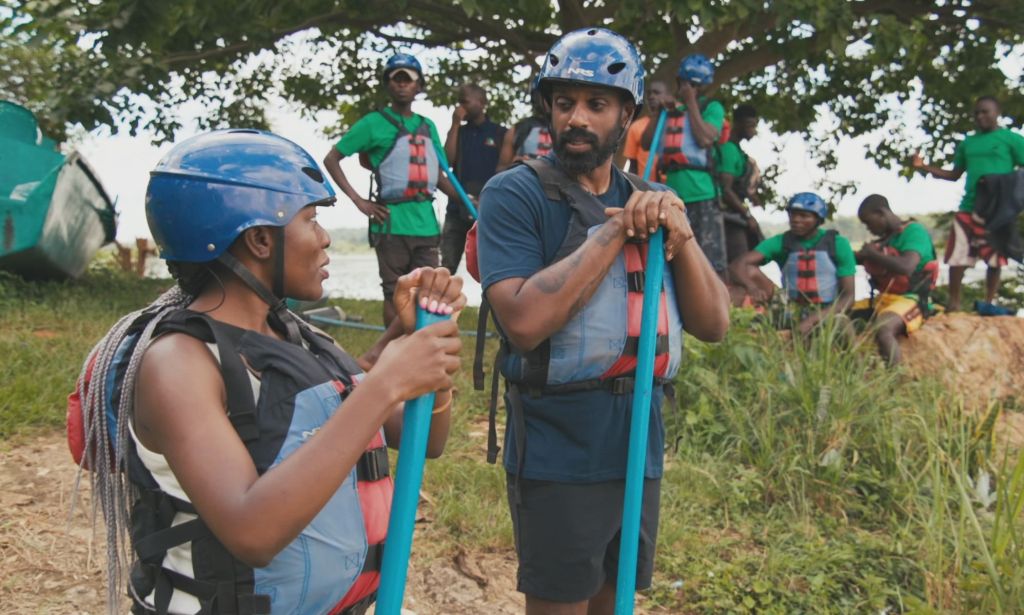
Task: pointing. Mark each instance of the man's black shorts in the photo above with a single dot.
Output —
(397, 255)
(567, 536)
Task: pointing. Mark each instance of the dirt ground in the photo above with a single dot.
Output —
(50, 564)
(981, 358)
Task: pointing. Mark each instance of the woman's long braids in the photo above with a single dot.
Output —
(107, 459)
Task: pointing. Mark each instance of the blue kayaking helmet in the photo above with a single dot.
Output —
(594, 56)
(697, 68)
(808, 201)
(403, 60)
(211, 187)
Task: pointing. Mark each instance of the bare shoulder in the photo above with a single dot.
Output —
(179, 384)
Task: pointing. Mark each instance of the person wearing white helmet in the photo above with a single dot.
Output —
(561, 265)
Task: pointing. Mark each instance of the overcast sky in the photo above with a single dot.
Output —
(123, 164)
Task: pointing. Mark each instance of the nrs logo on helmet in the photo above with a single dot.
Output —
(594, 56)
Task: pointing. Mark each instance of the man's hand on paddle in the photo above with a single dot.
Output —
(436, 290)
(646, 212)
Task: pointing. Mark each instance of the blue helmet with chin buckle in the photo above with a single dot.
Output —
(808, 201)
(209, 188)
(594, 56)
(697, 68)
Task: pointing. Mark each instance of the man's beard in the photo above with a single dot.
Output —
(576, 164)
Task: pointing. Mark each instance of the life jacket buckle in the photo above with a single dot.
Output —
(373, 465)
(622, 386)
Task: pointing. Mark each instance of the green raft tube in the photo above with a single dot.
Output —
(54, 213)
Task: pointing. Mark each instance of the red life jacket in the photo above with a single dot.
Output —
(809, 274)
(409, 170)
(882, 280)
(679, 153)
(636, 265)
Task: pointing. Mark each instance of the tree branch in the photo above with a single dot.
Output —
(570, 15)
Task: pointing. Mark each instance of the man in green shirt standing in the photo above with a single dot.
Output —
(401, 148)
(902, 269)
(817, 265)
(990, 150)
(686, 155)
(739, 178)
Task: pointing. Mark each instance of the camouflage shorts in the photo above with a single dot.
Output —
(709, 231)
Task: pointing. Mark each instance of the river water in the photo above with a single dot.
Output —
(354, 276)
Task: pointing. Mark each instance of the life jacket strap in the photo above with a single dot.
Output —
(152, 548)
(632, 346)
(374, 558)
(622, 385)
(360, 607)
(373, 465)
(225, 600)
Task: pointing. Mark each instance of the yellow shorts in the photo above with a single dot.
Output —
(906, 309)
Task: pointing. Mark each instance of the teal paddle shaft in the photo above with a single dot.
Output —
(640, 421)
(659, 128)
(450, 174)
(412, 453)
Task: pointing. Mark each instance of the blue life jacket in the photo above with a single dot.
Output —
(582, 353)
(533, 138)
(809, 274)
(333, 565)
(597, 347)
(408, 172)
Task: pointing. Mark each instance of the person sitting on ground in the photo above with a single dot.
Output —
(254, 476)
(818, 265)
(739, 178)
(659, 97)
(990, 150)
(531, 138)
(902, 269)
(472, 148)
(399, 146)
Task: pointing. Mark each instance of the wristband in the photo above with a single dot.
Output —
(444, 406)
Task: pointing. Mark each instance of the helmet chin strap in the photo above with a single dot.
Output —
(279, 318)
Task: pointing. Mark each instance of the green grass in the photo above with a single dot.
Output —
(799, 479)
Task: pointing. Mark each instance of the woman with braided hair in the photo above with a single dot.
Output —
(241, 451)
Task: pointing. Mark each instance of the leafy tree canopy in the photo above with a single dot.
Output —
(90, 61)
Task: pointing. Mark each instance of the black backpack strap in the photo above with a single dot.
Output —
(237, 386)
(398, 125)
(481, 340)
(827, 243)
(493, 448)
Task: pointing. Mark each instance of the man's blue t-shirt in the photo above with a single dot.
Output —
(578, 437)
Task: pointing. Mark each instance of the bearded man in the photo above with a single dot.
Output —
(561, 257)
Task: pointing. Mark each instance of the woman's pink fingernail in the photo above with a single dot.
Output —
(433, 306)
(423, 302)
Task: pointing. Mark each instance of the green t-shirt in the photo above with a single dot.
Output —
(374, 135)
(729, 158)
(914, 238)
(694, 186)
(987, 153)
(774, 251)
